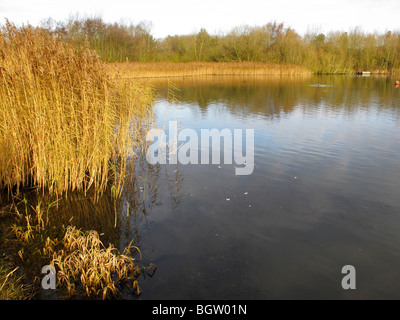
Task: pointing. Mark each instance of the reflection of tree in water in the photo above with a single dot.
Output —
(269, 101)
(274, 96)
(262, 95)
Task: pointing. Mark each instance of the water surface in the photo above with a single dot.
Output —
(324, 193)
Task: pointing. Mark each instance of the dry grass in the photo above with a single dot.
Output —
(11, 285)
(170, 69)
(62, 118)
(237, 81)
(86, 265)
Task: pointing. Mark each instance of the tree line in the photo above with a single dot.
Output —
(334, 52)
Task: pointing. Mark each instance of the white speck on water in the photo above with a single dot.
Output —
(246, 192)
(227, 199)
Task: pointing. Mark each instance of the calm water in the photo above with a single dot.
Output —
(324, 193)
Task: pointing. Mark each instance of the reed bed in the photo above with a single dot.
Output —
(135, 70)
(86, 265)
(238, 81)
(64, 124)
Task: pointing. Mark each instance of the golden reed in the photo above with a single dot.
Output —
(62, 118)
(187, 69)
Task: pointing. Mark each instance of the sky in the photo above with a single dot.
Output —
(170, 17)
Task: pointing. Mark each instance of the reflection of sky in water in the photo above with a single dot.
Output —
(324, 193)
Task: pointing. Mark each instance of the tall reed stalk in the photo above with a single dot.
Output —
(64, 124)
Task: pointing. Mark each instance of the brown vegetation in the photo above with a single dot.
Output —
(86, 265)
(63, 118)
(65, 126)
(171, 69)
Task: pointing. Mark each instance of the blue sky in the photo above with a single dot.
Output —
(183, 17)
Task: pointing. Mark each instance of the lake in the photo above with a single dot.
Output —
(324, 192)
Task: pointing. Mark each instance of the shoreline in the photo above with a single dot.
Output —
(143, 70)
(151, 70)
